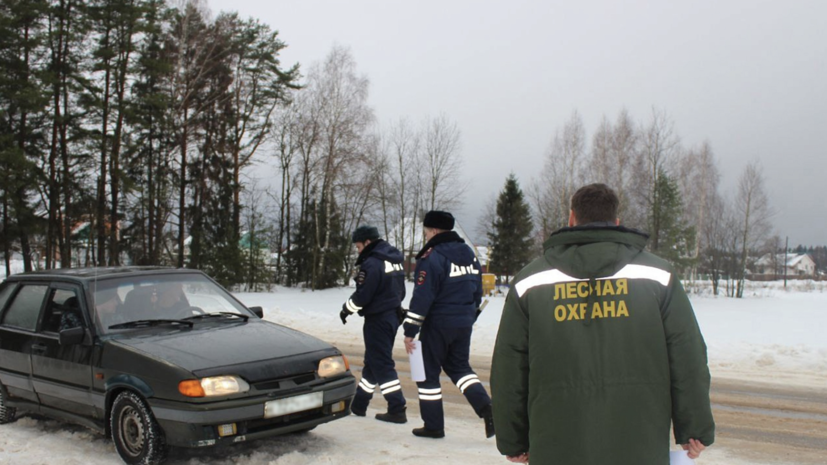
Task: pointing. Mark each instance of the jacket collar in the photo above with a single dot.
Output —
(441, 238)
(365, 253)
(597, 232)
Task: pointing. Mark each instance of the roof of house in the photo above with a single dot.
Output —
(792, 259)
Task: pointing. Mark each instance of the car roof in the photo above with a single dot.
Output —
(88, 274)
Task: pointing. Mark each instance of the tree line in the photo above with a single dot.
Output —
(666, 189)
(126, 126)
(132, 129)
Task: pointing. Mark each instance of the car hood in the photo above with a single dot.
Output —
(256, 349)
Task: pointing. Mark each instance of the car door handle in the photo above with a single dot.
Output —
(38, 348)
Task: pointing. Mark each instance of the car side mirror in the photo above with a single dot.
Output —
(258, 311)
(71, 336)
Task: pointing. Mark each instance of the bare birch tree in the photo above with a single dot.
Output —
(563, 173)
(698, 178)
(658, 148)
(404, 144)
(612, 157)
(754, 212)
(339, 102)
(441, 145)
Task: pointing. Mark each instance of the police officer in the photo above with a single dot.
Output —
(380, 289)
(445, 299)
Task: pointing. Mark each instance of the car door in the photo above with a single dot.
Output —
(62, 374)
(18, 323)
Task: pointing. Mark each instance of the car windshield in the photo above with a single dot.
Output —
(173, 296)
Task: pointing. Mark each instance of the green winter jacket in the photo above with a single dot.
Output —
(598, 351)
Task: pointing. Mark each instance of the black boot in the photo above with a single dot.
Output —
(398, 417)
(428, 433)
(358, 413)
(488, 418)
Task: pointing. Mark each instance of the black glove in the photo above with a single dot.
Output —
(477, 315)
(401, 313)
(344, 314)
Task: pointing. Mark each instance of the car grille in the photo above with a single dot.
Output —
(285, 383)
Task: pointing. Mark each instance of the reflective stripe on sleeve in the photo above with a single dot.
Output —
(351, 307)
(415, 316)
(413, 322)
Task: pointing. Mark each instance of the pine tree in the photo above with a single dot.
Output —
(674, 236)
(23, 102)
(511, 236)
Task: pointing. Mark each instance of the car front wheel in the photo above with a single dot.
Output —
(136, 434)
(6, 413)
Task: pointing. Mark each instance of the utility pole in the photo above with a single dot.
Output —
(786, 248)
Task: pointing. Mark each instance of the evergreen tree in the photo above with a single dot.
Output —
(673, 237)
(150, 172)
(511, 237)
(23, 101)
(302, 258)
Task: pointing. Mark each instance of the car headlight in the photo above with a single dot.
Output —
(213, 386)
(332, 366)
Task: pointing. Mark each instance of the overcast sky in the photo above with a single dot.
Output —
(748, 76)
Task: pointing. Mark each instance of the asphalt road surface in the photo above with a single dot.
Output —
(762, 422)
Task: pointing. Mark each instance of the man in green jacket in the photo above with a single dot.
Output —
(599, 350)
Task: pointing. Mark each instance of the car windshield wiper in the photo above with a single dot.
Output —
(148, 323)
(217, 315)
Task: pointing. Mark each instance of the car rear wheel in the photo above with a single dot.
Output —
(7, 414)
(136, 434)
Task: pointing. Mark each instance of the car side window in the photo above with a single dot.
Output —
(25, 308)
(62, 311)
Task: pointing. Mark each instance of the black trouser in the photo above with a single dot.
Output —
(447, 349)
(379, 369)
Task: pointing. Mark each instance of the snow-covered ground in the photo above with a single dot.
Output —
(771, 336)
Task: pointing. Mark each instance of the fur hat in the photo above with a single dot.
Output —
(439, 220)
(365, 233)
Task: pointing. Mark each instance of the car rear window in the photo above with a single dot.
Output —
(25, 308)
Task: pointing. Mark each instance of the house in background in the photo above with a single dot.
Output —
(795, 265)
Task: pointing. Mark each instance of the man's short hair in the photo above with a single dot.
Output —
(594, 203)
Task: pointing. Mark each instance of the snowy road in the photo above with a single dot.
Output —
(764, 423)
(758, 424)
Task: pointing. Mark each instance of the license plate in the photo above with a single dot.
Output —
(288, 405)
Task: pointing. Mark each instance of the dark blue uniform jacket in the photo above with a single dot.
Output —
(448, 287)
(380, 282)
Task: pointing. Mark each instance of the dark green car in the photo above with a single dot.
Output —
(158, 357)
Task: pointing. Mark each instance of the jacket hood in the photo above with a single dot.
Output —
(593, 250)
(382, 250)
(452, 247)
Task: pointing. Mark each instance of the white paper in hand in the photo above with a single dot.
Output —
(680, 458)
(417, 363)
